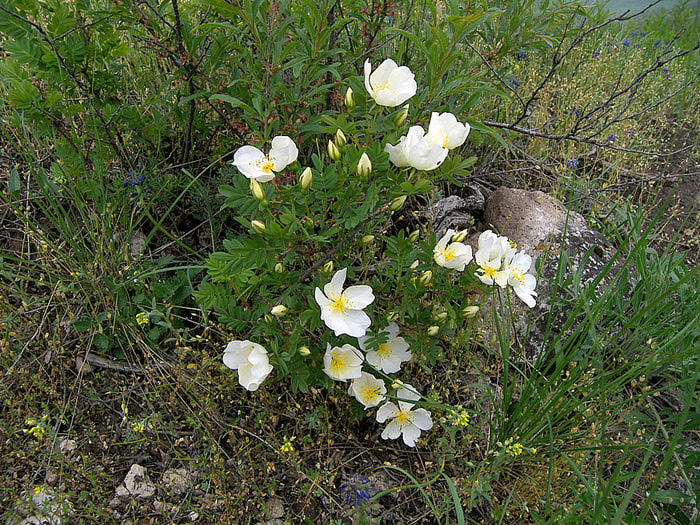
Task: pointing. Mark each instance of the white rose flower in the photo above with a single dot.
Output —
(250, 359)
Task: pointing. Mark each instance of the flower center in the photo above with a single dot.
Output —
(338, 364)
(449, 253)
(446, 141)
(518, 275)
(265, 163)
(383, 86)
(402, 417)
(489, 271)
(369, 393)
(340, 303)
(383, 350)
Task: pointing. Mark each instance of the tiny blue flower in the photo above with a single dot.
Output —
(596, 52)
(356, 490)
(520, 55)
(572, 162)
(575, 111)
(611, 137)
(626, 42)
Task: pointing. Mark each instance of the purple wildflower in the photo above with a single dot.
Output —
(611, 137)
(572, 162)
(626, 42)
(356, 490)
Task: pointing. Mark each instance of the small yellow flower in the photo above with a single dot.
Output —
(458, 417)
(142, 318)
(287, 447)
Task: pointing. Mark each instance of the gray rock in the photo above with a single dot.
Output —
(543, 227)
(66, 446)
(456, 212)
(178, 481)
(42, 506)
(136, 484)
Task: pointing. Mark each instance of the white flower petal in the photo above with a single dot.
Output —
(360, 296)
(392, 430)
(355, 324)
(386, 411)
(389, 85)
(284, 151)
(245, 160)
(410, 434)
(336, 284)
(421, 418)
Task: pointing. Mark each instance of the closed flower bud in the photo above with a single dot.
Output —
(413, 236)
(349, 99)
(392, 316)
(440, 317)
(306, 179)
(268, 318)
(414, 264)
(397, 384)
(367, 240)
(397, 203)
(279, 310)
(257, 190)
(426, 278)
(460, 236)
(333, 151)
(279, 268)
(304, 351)
(364, 166)
(470, 311)
(258, 226)
(401, 116)
(340, 139)
(328, 267)
(432, 331)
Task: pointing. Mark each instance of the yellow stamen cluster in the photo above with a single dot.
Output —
(265, 163)
(338, 364)
(340, 303)
(383, 350)
(370, 393)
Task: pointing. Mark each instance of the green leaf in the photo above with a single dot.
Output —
(82, 325)
(13, 183)
(235, 102)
